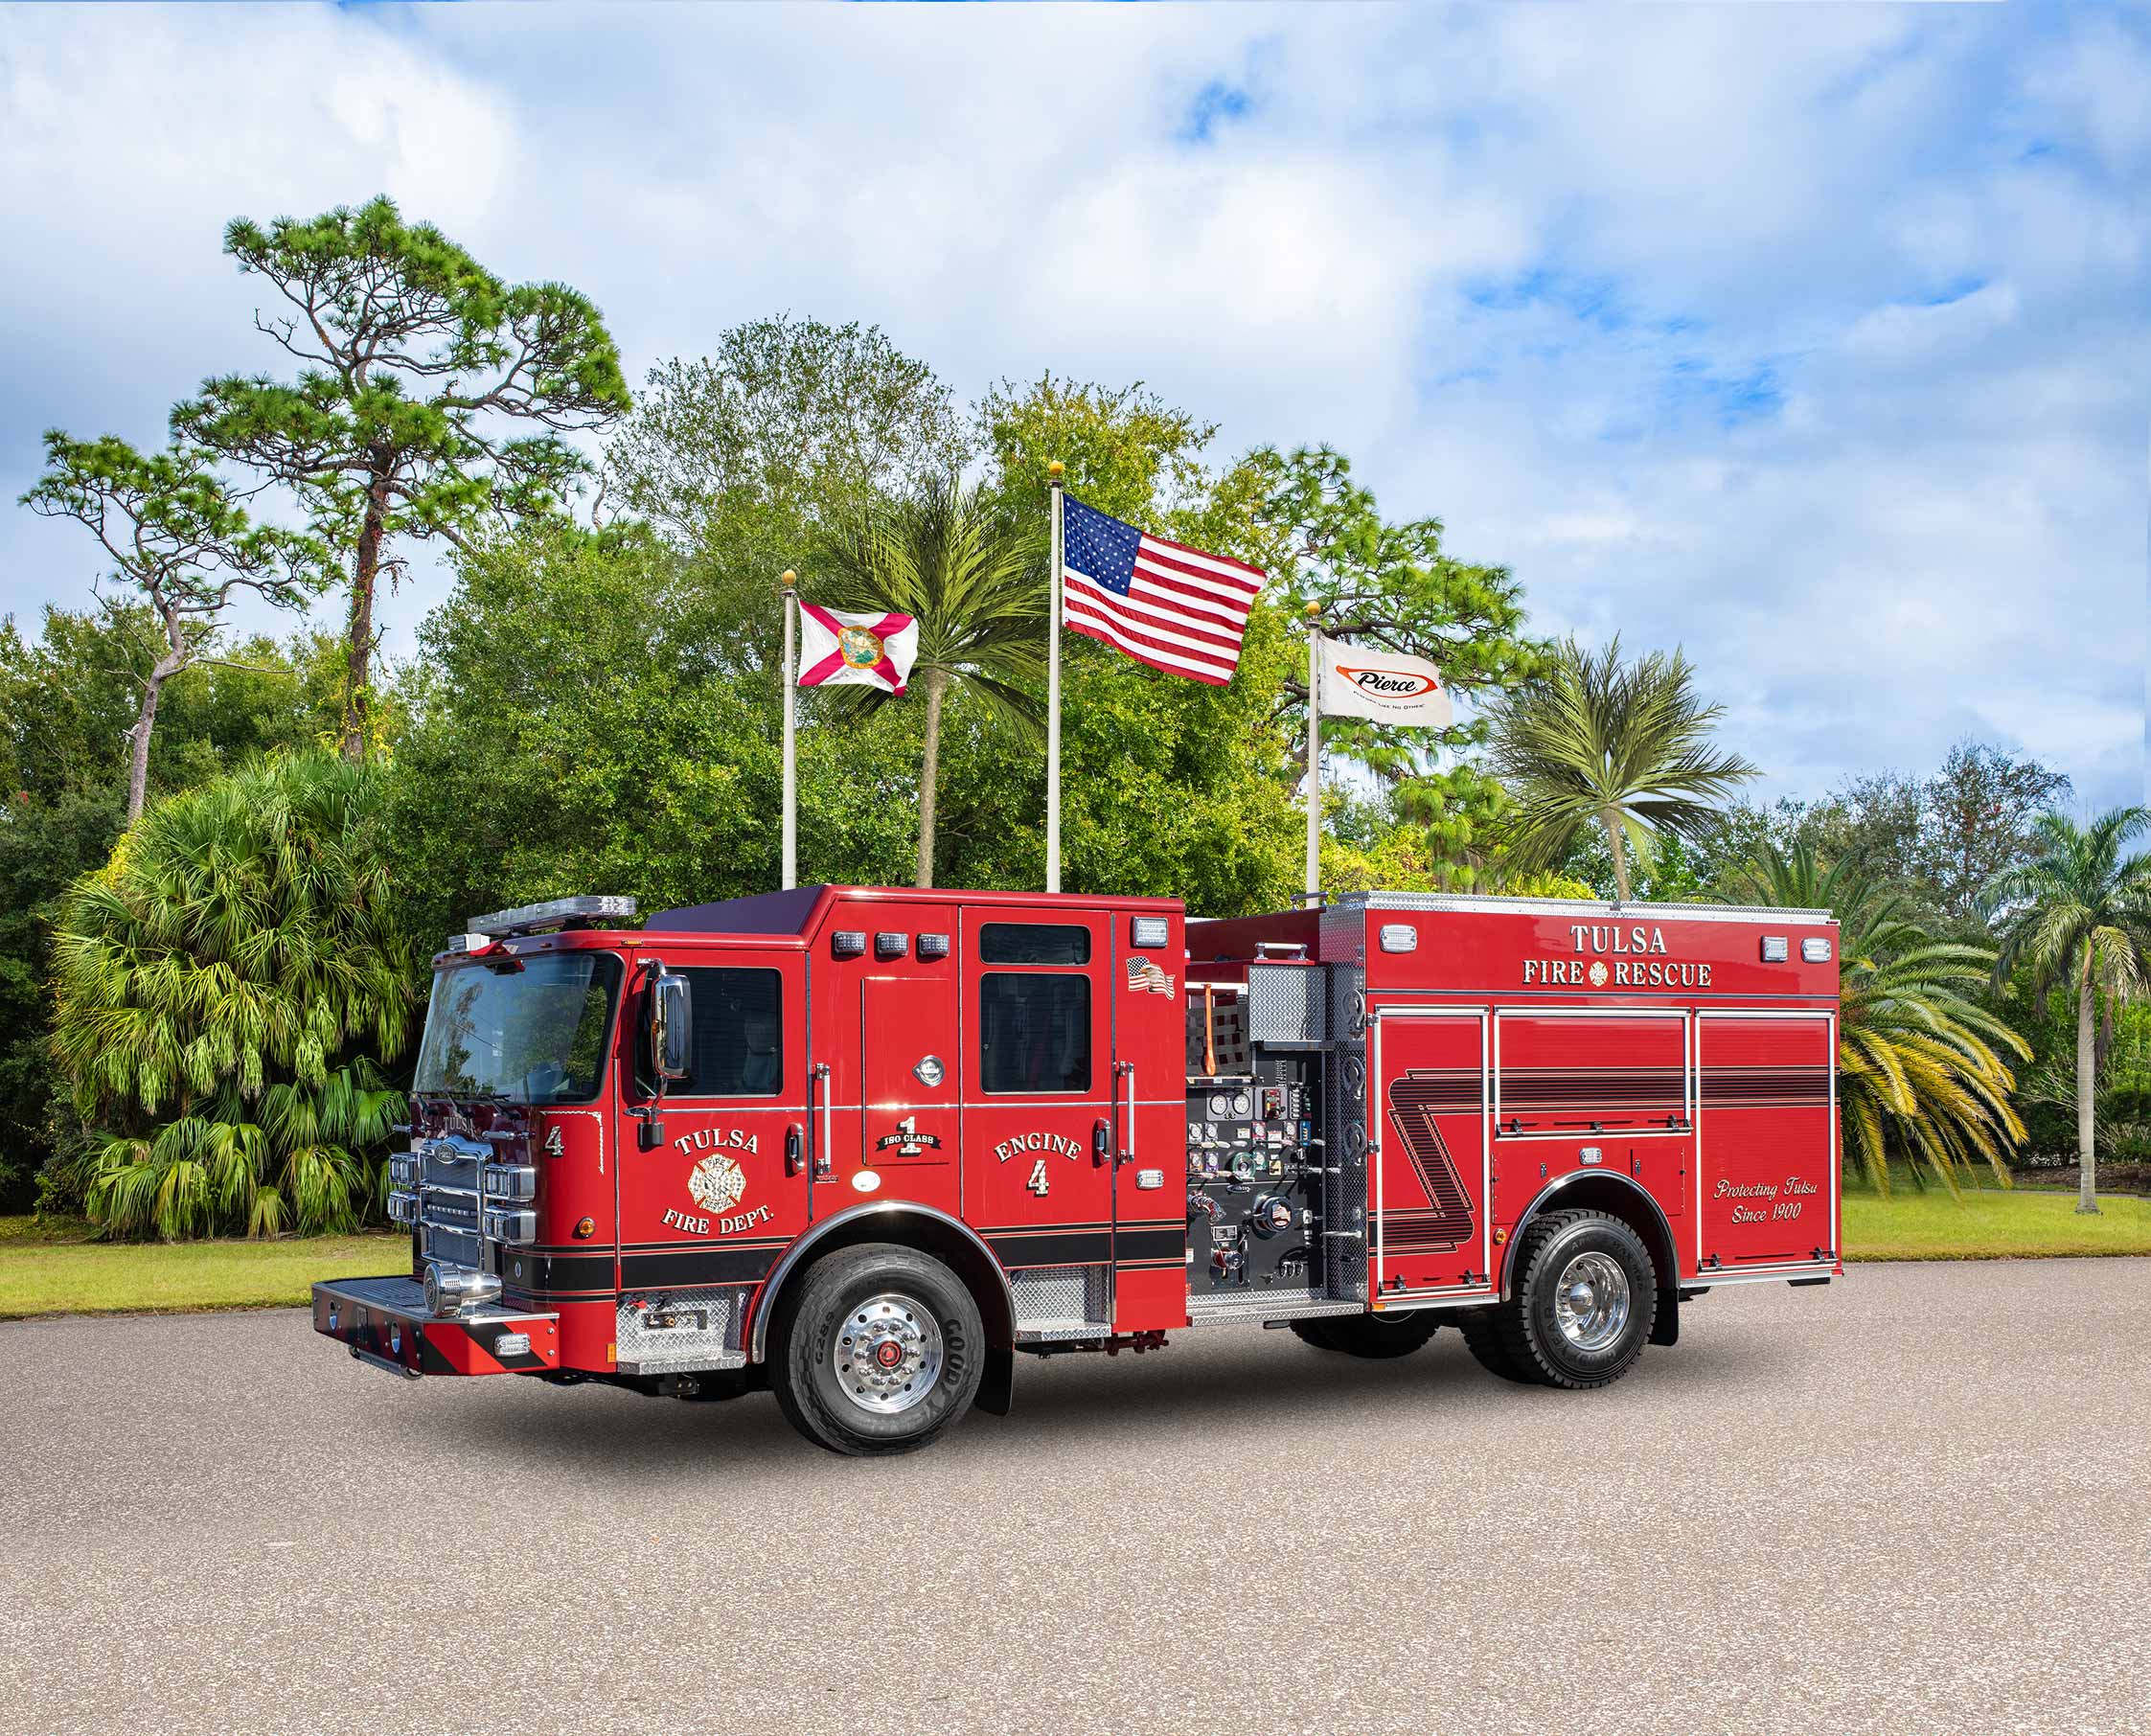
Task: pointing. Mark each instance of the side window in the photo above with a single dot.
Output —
(1034, 1030)
(739, 1033)
(1034, 944)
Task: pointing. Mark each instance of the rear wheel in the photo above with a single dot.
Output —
(1376, 1336)
(1482, 1337)
(877, 1352)
(1585, 1299)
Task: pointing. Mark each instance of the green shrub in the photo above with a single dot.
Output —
(227, 990)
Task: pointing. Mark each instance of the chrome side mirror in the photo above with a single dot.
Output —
(672, 1026)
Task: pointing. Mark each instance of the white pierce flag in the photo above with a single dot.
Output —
(1385, 686)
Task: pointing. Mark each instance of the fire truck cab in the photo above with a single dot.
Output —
(862, 1146)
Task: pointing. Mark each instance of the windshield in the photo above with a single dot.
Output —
(534, 1035)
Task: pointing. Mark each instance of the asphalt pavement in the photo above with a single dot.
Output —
(1918, 1500)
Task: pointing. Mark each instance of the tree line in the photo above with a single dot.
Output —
(229, 857)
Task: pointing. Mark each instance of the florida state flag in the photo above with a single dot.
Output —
(838, 647)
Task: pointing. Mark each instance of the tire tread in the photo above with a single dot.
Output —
(792, 1369)
(1508, 1327)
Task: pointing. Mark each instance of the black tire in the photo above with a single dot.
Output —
(1379, 1337)
(1527, 1336)
(914, 1301)
(1482, 1337)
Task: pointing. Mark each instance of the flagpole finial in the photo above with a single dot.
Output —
(1313, 610)
(790, 579)
(1055, 469)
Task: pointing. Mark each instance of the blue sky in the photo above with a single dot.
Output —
(1812, 340)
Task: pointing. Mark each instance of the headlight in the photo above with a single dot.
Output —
(520, 1229)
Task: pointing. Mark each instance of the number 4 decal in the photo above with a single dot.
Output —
(553, 1144)
(1038, 1183)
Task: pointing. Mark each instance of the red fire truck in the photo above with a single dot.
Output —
(864, 1146)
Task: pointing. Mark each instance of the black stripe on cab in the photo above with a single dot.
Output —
(691, 1265)
(1068, 1247)
(1164, 1242)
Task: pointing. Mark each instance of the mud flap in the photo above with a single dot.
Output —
(996, 1387)
(1666, 1329)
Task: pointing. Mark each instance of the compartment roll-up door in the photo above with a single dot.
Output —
(1612, 1073)
(1766, 1159)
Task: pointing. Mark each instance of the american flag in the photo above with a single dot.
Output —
(1170, 606)
(1144, 973)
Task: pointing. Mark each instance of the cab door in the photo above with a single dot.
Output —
(894, 1131)
(1039, 1096)
(726, 1188)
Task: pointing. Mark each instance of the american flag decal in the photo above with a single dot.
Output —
(1144, 973)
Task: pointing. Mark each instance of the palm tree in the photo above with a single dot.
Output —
(1918, 1060)
(980, 599)
(223, 990)
(2079, 914)
(1625, 747)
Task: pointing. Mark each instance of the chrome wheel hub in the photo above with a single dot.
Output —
(887, 1354)
(1591, 1301)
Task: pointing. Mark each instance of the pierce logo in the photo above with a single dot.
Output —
(1390, 683)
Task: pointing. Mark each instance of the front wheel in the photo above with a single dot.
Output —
(881, 1350)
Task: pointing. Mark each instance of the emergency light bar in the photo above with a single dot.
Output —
(555, 913)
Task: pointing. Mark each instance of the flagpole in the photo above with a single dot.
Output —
(1053, 696)
(1313, 753)
(789, 583)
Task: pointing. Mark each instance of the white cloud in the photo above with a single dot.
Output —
(1813, 341)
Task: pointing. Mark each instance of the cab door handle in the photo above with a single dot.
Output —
(794, 1146)
(1126, 1070)
(825, 1154)
(1101, 1141)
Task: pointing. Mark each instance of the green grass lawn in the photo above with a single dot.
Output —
(1989, 1223)
(51, 1269)
(46, 1269)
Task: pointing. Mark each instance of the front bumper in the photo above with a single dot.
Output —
(384, 1322)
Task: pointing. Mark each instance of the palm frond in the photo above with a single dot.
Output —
(212, 985)
(1920, 1067)
(1599, 741)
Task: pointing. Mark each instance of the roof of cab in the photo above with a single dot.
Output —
(794, 911)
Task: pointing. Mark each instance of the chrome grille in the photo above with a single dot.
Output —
(450, 1203)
